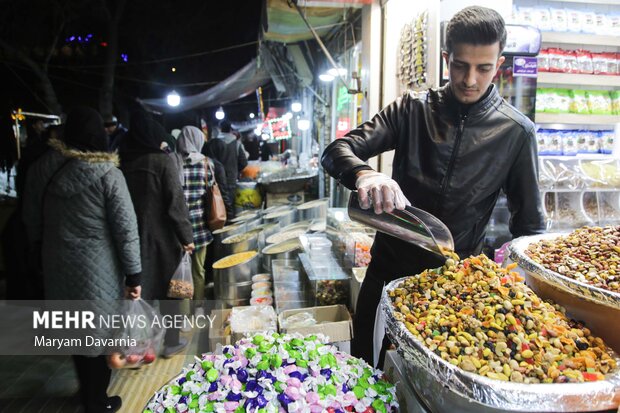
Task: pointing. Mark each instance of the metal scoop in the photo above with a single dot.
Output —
(411, 224)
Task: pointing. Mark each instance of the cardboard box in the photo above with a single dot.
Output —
(218, 334)
(333, 321)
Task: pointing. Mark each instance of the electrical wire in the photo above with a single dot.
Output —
(167, 59)
(28, 87)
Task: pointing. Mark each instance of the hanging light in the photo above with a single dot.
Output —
(326, 77)
(252, 116)
(335, 72)
(303, 124)
(219, 114)
(259, 130)
(173, 99)
(296, 107)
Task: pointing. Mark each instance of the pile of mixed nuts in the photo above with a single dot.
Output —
(589, 254)
(483, 319)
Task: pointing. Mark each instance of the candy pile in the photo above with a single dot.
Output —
(483, 319)
(589, 254)
(277, 373)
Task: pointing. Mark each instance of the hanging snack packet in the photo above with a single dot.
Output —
(599, 102)
(579, 102)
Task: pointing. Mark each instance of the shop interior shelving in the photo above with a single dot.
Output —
(580, 39)
(576, 119)
(609, 2)
(578, 79)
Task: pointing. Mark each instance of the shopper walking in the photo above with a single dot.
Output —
(230, 152)
(78, 205)
(195, 169)
(115, 130)
(163, 218)
(456, 148)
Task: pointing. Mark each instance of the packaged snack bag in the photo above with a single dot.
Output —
(570, 62)
(600, 24)
(607, 141)
(543, 60)
(599, 63)
(582, 144)
(561, 101)
(579, 102)
(541, 141)
(542, 100)
(542, 18)
(599, 102)
(569, 143)
(559, 20)
(573, 20)
(615, 102)
(593, 140)
(588, 22)
(526, 16)
(584, 61)
(612, 64)
(557, 63)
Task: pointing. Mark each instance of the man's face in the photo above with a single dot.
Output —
(472, 68)
(110, 129)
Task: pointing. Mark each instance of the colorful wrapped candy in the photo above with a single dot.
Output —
(277, 373)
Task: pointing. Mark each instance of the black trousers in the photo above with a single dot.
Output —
(364, 320)
(94, 376)
(171, 307)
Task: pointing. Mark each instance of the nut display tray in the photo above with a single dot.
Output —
(535, 270)
(497, 395)
(597, 307)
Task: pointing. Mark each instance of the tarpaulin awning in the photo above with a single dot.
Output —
(245, 81)
(285, 25)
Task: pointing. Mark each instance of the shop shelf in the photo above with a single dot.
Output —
(612, 2)
(578, 79)
(580, 39)
(576, 119)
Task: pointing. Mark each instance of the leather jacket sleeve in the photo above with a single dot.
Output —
(344, 157)
(521, 189)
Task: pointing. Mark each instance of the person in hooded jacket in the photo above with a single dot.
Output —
(163, 218)
(196, 175)
(230, 152)
(456, 148)
(77, 203)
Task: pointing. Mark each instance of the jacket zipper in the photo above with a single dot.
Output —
(455, 151)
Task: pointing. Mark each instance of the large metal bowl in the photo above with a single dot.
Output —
(240, 242)
(496, 395)
(313, 209)
(220, 234)
(283, 250)
(597, 307)
(234, 291)
(238, 273)
(283, 217)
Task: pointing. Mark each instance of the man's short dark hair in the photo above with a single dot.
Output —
(225, 126)
(476, 25)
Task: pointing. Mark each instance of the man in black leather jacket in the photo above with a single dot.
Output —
(456, 148)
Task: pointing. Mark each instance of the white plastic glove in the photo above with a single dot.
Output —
(382, 190)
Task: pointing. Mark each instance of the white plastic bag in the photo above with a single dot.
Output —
(181, 284)
(141, 336)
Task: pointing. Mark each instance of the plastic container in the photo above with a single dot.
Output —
(261, 285)
(265, 300)
(261, 277)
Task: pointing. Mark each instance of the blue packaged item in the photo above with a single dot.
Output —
(569, 143)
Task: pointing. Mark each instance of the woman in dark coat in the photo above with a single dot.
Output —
(163, 217)
(77, 204)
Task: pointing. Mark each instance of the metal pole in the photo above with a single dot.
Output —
(320, 42)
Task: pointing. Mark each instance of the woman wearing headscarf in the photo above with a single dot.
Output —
(78, 205)
(195, 170)
(163, 217)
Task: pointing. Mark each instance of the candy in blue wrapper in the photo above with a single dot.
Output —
(284, 399)
(233, 397)
(242, 375)
(213, 387)
(182, 380)
(327, 373)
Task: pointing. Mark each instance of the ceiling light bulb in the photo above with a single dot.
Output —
(296, 107)
(303, 124)
(219, 114)
(326, 77)
(335, 72)
(173, 99)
